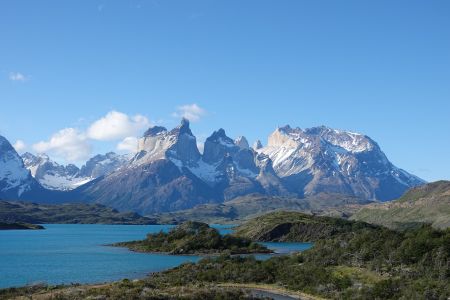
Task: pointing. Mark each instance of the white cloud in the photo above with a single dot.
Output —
(20, 146)
(116, 125)
(17, 76)
(192, 112)
(68, 144)
(128, 144)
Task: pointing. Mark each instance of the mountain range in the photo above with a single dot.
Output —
(169, 173)
(54, 176)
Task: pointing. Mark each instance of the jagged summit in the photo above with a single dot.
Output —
(154, 131)
(217, 146)
(183, 128)
(219, 136)
(257, 145)
(241, 142)
(178, 144)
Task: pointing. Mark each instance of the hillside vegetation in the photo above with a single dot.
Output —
(21, 226)
(246, 207)
(429, 204)
(25, 212)
(194, 238)
(370, 263)
(296, 227)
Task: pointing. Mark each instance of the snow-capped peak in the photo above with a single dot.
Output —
(13, 174)
(296, 137)
(54, 176)
(350, 141)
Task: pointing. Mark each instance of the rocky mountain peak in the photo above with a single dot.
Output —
(285, 136)
(5, 145)
(28, 157)
(183, 128)
(257, 145)
(322, 159)
(217, 146)
(15, 179)
(219, 136)
(50, 174)
(103, 164)
(241, 142)
(179, 145)
(154, 131)
(348, 141)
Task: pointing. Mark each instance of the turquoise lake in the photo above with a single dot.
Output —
(74, 253)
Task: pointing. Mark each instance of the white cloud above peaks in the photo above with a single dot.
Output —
(73, 145)
(116, 125)
(192, 112)
(20, 146)
(69, 144)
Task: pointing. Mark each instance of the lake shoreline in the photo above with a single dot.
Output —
(202, 254)
(20, 226)
(81, 253)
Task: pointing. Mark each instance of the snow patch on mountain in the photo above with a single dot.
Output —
(54, 176)
(13, 174)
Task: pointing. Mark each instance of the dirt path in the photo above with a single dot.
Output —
(271, 291)
(257, 290)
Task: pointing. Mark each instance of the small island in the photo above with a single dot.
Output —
(194, 238)
(19, 226)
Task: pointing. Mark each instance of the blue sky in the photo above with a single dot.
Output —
(381, 68)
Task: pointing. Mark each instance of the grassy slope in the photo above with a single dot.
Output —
(295, 226)
(426, 204)
(66, 213)
(247, 207)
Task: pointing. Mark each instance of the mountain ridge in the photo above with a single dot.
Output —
(168, 172)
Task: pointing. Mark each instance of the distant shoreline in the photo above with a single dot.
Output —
(20, 226)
